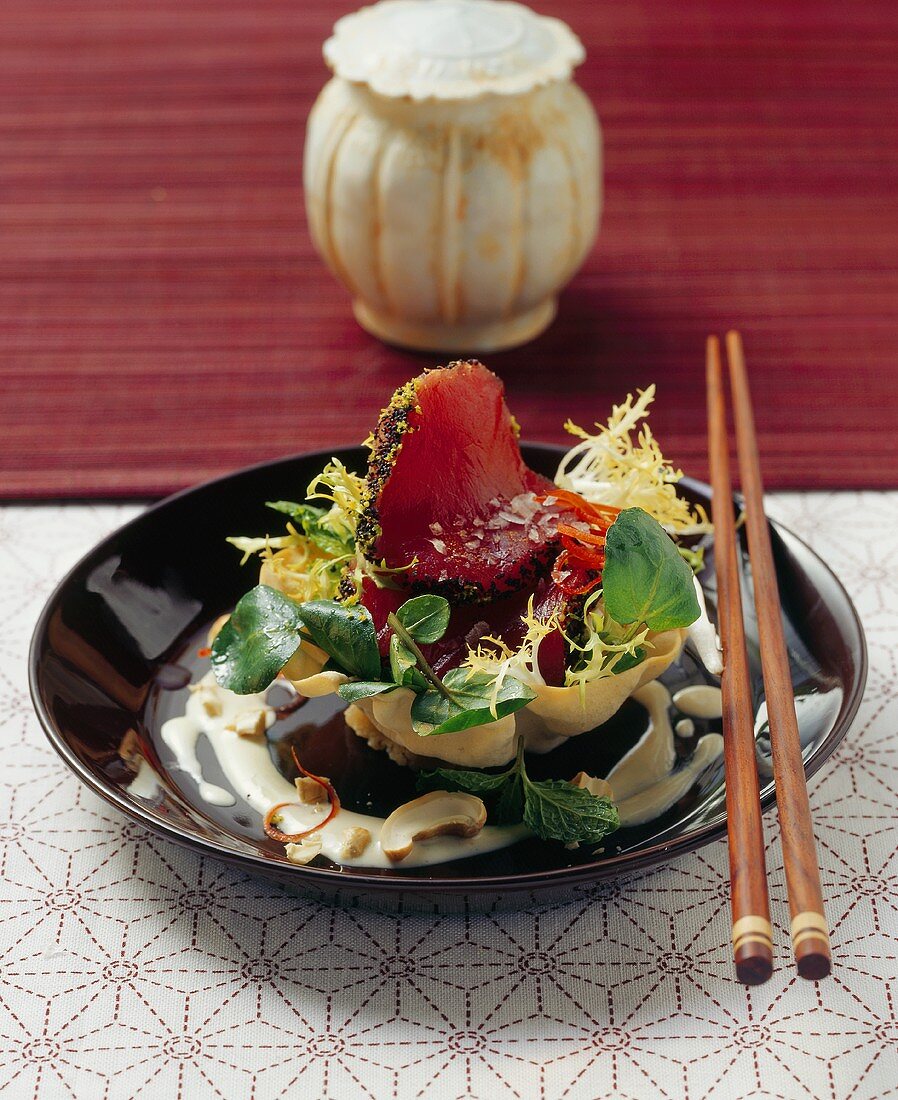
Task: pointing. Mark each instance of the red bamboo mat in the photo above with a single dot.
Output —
(164, 318)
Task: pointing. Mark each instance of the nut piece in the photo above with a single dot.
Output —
(250, 723)
(209, 701)
(305, 851)
(354, 842)
(599, 787)
(309, 791)
(440, 813)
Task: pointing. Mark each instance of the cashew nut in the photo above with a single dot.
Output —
(439, 813)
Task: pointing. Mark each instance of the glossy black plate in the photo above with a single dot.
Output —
(119, 639)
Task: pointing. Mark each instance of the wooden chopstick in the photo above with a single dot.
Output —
(752, 934)
(810, 932)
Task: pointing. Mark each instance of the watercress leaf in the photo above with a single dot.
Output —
(460, 779)
(645, 580)
(556, 810)
(363, 689)
(403, 666)
(344, 633)
(257, 641)
(425, 618)
(470, 702)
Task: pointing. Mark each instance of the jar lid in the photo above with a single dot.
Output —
(451, 49)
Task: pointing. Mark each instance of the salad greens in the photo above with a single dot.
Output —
(345, 633)
(642, 584)
(260, 637)
(647, 585)
(267, 628)
(552, 808)
(319, 526)
(645, 580)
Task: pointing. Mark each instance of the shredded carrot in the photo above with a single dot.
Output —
(292, 838)
(600, 514)
(583, 557)
(205, 651)
(579, 566)
(581, 536)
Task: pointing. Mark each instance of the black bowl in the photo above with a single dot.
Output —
(118, 641)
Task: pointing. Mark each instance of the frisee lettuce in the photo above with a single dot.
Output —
(343, 489)
(612, 467)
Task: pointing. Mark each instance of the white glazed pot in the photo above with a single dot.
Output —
(453, 222)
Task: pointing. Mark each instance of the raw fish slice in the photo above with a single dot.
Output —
(449, 490)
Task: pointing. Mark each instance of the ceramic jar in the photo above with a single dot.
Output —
(452, 170)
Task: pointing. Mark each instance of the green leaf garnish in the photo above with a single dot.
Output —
(261, 636)
(557, 810)
(404, 666)
(626, 661)
(344, 633)
(426, 618)
(693, 556)
(363, 689)
(552, 808)
(469, 699)
(645, 580)
(315, 526)
(461, 779)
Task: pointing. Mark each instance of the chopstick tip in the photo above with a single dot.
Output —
(734, 341)
(754, 970)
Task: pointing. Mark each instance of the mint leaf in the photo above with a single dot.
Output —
(552, 808)
(344, 633)
(461, 779)
(509, 808)
(297, 512)
(556, 810)
(425, 618)
(363, 689)
(645, 580)
(260, 637)
(467, 700)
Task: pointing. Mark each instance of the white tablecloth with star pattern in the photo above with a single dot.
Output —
(131, 968)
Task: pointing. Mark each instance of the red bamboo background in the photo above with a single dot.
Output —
(163, 316)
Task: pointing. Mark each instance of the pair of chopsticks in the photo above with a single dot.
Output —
(752, 933)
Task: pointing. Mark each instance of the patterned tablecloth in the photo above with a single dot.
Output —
(129, 968)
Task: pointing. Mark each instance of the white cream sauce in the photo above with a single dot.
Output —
(181, 736)
(685, 728)
(645, 782)
(248, 767)
(699, 701)
(652, 758)
(703, 637)
(650, 803)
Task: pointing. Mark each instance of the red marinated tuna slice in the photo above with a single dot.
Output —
(469, 623)
(449, 490)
